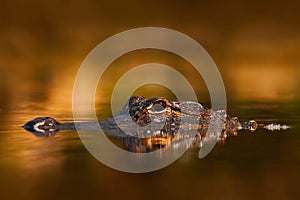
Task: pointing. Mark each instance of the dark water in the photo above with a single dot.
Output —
(261, 165)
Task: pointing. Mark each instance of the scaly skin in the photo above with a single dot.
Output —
(152, 122)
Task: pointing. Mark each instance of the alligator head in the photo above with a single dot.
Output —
(141, 108)
(42, 126)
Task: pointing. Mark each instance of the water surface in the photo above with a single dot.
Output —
(264, 164)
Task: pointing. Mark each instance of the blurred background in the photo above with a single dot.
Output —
(255, 45)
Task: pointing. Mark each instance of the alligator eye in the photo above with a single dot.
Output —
(157, 107)
(161, 103)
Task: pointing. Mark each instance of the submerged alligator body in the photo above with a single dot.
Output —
(153, 123)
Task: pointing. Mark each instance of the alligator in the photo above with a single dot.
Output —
(145, 125)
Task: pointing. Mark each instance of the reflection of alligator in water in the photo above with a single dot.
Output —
(147, 124)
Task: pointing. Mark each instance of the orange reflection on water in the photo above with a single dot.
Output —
(257, 82)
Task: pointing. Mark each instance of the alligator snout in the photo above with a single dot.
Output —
(42, 126)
